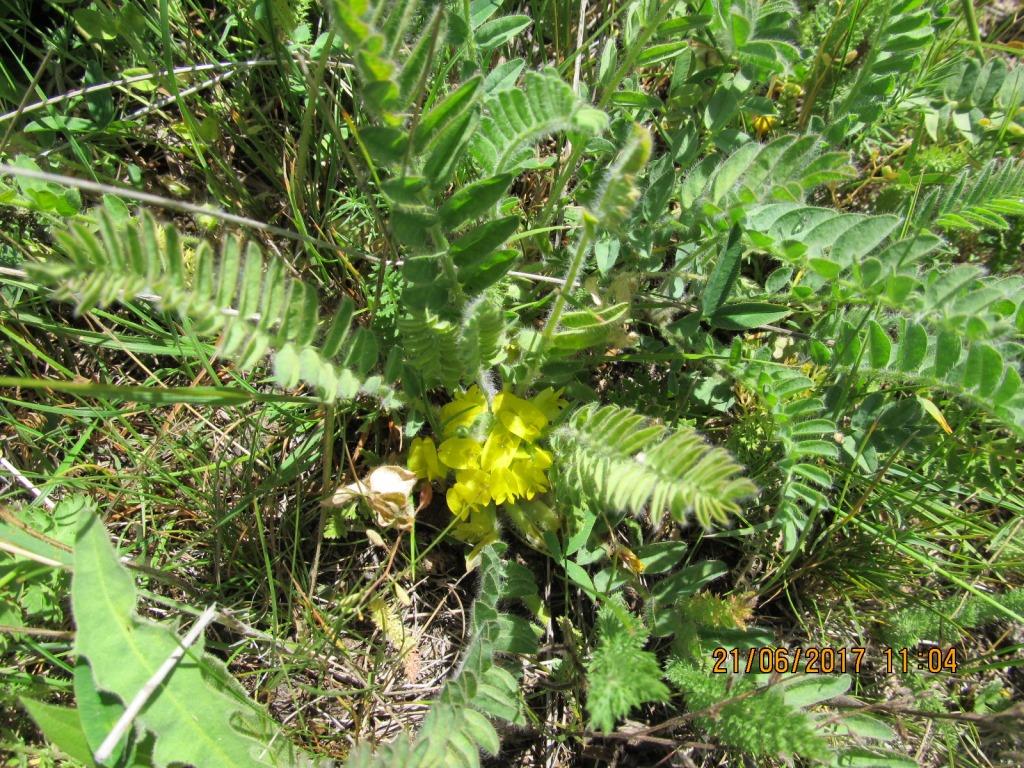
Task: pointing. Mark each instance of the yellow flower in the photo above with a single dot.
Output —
(423, 460)
(520, 417)
(463, 411)
(549, 402)
(501, 468)
(480, 525)
(506, 485)
(764, 123)
(499, 449)
(470, 491)
(460, 453)
(530, 477)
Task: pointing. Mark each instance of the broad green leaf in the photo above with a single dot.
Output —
(991, 368)
(405, 190)
(658, 53)
(588, 327)
(338, 330)
(688, 580)
(192, 715)
(724, 274)
(1009, 387)
(812, 427)
(747, 314)
(421, 59)
(448, 150)
(20, 540)
(814, 474)
(661, 556)
(481, 730)
(385, 144)
(866, 727)
(682, 25)
(481, 241)
(862, 238)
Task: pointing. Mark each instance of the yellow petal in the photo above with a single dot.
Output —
(499, 449)
(460, 453)
(476, 485)
(463, 411)
(503, 485)
(423, 459)
(549, 402)
(520, 417)
(541, 458)
(456, 501)
(531, 478)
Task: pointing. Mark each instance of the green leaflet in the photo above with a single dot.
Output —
(588, 328)
(474, 200)
(499, 31)
(193, 715)
(723, 276)
(743, 315)
(447, 113)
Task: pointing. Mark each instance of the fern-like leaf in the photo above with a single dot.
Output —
(977, 200)
(785, 169)
(617, 458)
(518, 117)
(243, 296)
(621, 675)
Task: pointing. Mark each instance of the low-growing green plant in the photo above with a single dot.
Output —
(643, 295)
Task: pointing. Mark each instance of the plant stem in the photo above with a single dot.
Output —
(537, 350)
(972, 26)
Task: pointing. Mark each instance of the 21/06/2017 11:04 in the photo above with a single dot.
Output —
(827, 660)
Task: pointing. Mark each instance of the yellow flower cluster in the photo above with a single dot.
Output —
(496, 465)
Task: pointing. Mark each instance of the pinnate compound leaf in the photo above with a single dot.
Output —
(618, 459)
(194, 713)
